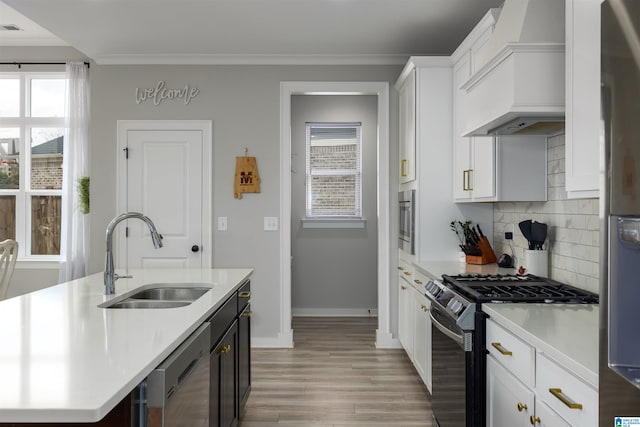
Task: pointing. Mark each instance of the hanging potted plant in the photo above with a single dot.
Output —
(83, 194)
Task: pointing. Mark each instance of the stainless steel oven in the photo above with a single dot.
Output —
(406, 232)
(458, 336)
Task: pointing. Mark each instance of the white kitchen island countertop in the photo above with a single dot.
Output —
(64, 359)
(566, 333)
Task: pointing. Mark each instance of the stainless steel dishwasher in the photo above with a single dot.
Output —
(178, 390)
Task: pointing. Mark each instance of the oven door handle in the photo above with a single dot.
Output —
(448, 332)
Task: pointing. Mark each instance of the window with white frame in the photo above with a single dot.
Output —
(32, 109)
(333, 170)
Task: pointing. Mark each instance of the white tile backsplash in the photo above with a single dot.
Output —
(573, 227)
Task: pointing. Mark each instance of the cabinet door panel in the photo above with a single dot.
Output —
(483, 180)
(461, 145)
(407, 117)
(223, 410)
(509, 402)
(244, 355)
(422, 341)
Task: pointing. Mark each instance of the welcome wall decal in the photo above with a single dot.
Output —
(161, 93)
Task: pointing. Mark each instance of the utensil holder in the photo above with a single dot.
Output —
(487, 257)
(537, 262)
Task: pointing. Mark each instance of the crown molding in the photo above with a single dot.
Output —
(241, 59)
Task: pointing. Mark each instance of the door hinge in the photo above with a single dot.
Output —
(126, 152)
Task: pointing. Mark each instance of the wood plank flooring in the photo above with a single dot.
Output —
(335, 377)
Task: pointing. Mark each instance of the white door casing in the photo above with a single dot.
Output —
(167, 177)
(384, 337)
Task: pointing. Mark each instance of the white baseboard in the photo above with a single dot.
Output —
(334, 312)
(386, 340)
(283, 340)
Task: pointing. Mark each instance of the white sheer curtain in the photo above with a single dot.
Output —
(74, 244)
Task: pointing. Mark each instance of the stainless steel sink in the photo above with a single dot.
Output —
(131, 303)
(160, 295)
(170, 294)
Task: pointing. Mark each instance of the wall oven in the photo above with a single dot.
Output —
(406, 232)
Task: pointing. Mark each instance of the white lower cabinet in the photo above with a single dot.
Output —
(509, 402)
(414, 323)
(422, 337)
(405, 307)
(525, 387)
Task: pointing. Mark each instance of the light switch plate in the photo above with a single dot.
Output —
(222, 223)
(270, 223)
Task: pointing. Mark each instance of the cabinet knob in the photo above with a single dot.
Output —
(522, 407)
(245, 294)
(424, 308)
(419, 282)
(195, 248)
(534, 420)
(246, 314)
(404, 288)
(407, 273)
(400, 268)
(224, 350)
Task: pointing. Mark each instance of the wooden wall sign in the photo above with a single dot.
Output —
(247, 179)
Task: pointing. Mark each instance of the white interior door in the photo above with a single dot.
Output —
(166, 180)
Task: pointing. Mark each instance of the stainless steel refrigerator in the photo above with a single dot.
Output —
(620, 214)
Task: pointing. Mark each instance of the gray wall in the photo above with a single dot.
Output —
(244, 104)
(334, 271)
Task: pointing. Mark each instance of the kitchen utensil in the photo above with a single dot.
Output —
(538, 234)
(505, 261)
(525, 228)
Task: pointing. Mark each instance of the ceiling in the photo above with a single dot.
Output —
(245, 31)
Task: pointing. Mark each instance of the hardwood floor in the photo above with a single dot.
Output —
(335, 377)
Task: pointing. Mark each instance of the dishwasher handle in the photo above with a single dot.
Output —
(458, 338)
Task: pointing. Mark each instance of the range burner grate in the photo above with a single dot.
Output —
(513, 288)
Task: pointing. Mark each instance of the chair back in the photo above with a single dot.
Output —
(8, 255)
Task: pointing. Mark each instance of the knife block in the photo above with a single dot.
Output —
(487, 256)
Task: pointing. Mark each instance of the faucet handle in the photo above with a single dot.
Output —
(124, 276)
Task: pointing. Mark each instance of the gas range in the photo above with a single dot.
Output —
(518, 288)
(462, 295)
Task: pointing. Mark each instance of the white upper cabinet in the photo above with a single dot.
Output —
(407, 135)
(582, 98)
(488, 168)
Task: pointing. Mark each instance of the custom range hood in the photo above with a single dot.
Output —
(519, 84)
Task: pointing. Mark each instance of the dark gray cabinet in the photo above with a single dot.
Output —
(230, 359)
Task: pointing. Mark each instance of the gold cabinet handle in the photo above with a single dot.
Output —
(419, 282)
(522, 407)
(466, 180)
(557, 393)
(402, 168)
(224, 350)
(245, 294)
(400, 268)
(533, 420)
(246, 314)
(407, 273)
(501, 349)
(404, 288)
(424, 308)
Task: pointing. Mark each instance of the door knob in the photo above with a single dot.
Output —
(195, 248)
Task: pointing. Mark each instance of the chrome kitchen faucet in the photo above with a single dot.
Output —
(109, 276)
